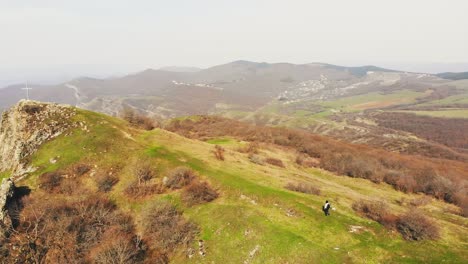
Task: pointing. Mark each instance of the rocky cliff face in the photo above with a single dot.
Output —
(7, 189)
(25, 127)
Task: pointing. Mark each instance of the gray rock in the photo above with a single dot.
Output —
(7, 190)
(25, 127)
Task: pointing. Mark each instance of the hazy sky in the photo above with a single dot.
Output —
(133, 35)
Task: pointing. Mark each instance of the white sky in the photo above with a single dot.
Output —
(139, 34)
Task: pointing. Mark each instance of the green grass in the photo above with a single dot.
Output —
(310, 227)
(225, 141)
(458, 113)
(4, 174)
(253, 204)
(372, 100)
(454, 99)
(312, 113)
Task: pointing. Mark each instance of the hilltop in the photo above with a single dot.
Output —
(102, 188)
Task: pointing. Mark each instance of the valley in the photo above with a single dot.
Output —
(337, 101)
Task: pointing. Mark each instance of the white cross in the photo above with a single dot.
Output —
(27, 91)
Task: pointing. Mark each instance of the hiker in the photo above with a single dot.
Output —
(326, 208)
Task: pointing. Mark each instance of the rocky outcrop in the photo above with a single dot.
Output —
(25, 127)
(7, 190)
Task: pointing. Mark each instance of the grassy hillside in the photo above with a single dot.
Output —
(449, 113)
(255, 219)
(353, 117)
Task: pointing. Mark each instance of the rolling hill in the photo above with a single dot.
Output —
(348, 103)
(84, 197)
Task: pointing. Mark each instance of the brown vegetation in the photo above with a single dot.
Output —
(251, 148)
(84, 226)
(415, 226)
(303, 188)
(275, 162)
(138, 120)
(448, 131)
(81, 169)
(198, 193)
(179, 177)
(143, 171)
(49, 181)
(166, 227)
(377, 211)
(143, 186)
(61, 230)
(71, 186)
(136, 190)
(420, 201)
(118, 247)
(219, 152)
(257, 159)
(440, 178)
(105, 181)
(306, 161)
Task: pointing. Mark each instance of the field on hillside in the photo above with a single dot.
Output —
(354, 118)
(373, 100)
(448, 113)
(255, 219)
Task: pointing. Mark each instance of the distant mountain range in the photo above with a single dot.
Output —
(367, 105)
(180, 69)
(239, 85)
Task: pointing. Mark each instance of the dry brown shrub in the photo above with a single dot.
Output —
(135, 190)
(143, 171)
(50, 181)
(198, 193)
(156, 256)
(179, 177)
(303, 188)
(105, 181)
(406, 183)
(421, 201)
(464, 210)
(138, 120)
(414, 225)
(63, 230)
(257, 159)
(251, 148)
(392, 177)
(219, 152)
(165, 227)
(306, 161)
(71, 187)
(429, 182)
(462, 199)
(377, 211)
(81, 169)
(389, 220)
(117, 247)
(275, 162)
(352, 165)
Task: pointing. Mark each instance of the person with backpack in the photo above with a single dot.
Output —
(326, 208)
